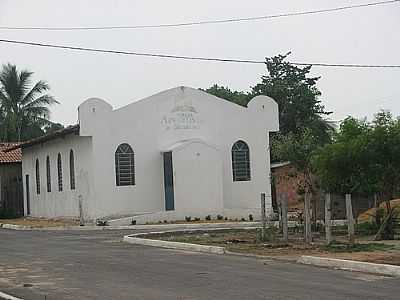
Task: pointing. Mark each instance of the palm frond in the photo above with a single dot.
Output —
(39, 88)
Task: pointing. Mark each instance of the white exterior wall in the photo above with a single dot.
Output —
(198, 183)
(56, 203)
(151, 126)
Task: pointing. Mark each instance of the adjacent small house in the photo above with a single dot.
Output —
(178, 153)
(11, 197)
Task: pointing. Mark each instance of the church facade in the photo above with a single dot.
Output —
(178, 153)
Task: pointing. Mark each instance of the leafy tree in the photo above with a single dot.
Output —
(297, 96)
(299, 149)
(240, 98)
(364, 158)
(295, 91)
(24, 108)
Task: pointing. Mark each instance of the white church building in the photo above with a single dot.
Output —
(178, 153)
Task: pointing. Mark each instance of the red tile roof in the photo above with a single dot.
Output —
(14, 156)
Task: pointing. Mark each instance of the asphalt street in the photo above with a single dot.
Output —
(97, 265)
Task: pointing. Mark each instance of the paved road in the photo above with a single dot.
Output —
(97, 265)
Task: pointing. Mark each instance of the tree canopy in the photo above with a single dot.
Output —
(24, 107)
(363, 158)
(296, 93)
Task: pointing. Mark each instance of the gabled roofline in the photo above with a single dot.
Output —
(42, 139)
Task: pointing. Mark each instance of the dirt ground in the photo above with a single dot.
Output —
(41, 222)
(387, 252)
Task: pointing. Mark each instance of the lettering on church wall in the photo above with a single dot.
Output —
(182, 116)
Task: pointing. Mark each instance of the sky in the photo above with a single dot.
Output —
(362, 36)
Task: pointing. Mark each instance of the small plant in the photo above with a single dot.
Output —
(197, 219)
(243, 219)
(133, 222)
(219, 217)
(226, 218)
(270, 234)
(208, 217)
(165, 221)
(160, 222)
(188, 218)
(251, 218)
(100, 222)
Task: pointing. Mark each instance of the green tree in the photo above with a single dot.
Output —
(364, 158)
(296, 93)
(24, 108)
(240, 98)
(298, 98)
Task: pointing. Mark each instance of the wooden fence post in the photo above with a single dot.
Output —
(263, 219)
(307, 218)
(328, 230)
(284, 209)
(350, 218)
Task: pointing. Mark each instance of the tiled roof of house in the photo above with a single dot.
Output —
(14, 156)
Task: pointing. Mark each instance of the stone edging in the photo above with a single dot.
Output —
(351, 265)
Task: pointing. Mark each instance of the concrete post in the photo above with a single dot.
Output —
(307, 218)
(81, 217)
(328, 230)
(284, 209)
(350, 218)
(263, 218)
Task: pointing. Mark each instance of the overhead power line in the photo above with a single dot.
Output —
(196, 58)
(194, 23)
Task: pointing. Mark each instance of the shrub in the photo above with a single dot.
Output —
(133, 222)
(219, 217)
(226, 218)
(197, 219)
(251, 218)
(100, 222)
(165, 221)
(208, 217)
(188, 218)
(243, 219)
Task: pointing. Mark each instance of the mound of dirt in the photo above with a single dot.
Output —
(369, 215)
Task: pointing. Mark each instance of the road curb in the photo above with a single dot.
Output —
(5, 296)
(351, 265)
(133, 239)
(177, 227)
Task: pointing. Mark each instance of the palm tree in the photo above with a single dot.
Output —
(22, 107)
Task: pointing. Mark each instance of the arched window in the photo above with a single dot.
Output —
(59, 173)
(37, 177)
(71, 169)
(240, 161)
(124, 165)
(48, 176)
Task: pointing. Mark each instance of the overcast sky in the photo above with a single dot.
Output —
(364, 35)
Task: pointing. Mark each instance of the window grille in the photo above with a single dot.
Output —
(59, 173)
(240, 161)
(37, 177)
(71, 169)
(48, 176)
(124, 165)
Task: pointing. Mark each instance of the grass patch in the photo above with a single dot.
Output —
(338, 247)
